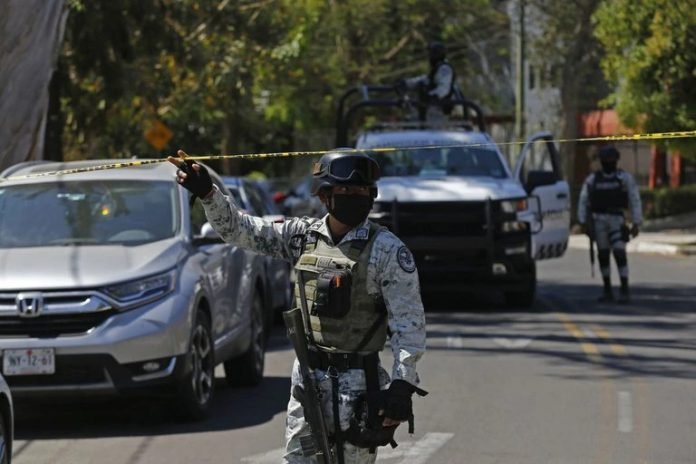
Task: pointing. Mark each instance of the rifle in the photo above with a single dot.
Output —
(591, 236)
(316, 443)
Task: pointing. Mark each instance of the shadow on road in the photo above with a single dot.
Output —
(90, 418)
(656, 331)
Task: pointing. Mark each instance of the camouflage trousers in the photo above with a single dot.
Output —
(607, 229)
(351, 384)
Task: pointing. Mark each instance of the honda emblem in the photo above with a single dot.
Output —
(29, 304)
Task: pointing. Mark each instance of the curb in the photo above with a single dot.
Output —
(580, 242)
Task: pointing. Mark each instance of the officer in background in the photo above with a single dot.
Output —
(343, 251)
(438, 87)
(605, 195)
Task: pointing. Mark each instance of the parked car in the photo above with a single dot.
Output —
(299, 202)
(251, 197)
(6, 423)
(111, 282)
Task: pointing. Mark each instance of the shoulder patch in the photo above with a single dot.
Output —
(405, 258)
(362, 233)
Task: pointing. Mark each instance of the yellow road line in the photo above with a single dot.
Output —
(616, 348)
(589, 348)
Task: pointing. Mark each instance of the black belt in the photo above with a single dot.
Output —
(612, 212)
(340, 361)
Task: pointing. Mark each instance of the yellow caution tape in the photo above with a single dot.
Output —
(288, 154)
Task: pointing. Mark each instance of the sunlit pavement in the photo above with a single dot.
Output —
(570, 381)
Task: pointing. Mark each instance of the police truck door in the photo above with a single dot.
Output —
(538, 168)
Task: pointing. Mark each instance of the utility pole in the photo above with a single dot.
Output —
(519, 84)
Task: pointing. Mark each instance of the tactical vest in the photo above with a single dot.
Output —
(342, 316)
(608, 193)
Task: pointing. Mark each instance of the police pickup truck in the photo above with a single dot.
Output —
(472, 221)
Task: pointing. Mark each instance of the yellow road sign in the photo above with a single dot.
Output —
(158, 135)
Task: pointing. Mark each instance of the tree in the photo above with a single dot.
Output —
(252, 75)
(565, 47)
(650, 58)
(31, 32)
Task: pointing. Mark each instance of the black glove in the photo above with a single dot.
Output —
(198, 183)
(366, 437)
(635, 230)
(397, 400)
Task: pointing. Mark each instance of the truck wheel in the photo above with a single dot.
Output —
(247, 370)
(524, 298)
(196, 390)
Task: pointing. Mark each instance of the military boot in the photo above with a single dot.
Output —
(607, 293)
(624, 295)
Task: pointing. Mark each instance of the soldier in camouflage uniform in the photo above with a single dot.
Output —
(348, 329)
(605, 195)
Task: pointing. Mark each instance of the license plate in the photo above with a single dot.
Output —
(29, 362)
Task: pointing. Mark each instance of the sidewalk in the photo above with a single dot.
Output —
(675, 235)
(670, 242)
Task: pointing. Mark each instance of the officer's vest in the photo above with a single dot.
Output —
(609, 194)
(342, 316)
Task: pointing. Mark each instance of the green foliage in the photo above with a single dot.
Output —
(239, 76)
(665, 202)
(651, 59)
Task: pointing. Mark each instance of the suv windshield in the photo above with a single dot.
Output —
(87, 213)
(442, 161)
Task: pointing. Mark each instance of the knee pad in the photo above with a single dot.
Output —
(603, 257)
(621, 258)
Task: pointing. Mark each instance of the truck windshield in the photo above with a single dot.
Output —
(87, 213)
(447, 161)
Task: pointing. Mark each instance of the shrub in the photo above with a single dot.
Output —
(668, 202)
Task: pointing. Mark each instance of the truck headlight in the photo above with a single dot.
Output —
(513, 206)
(141, 291)
(513, 226)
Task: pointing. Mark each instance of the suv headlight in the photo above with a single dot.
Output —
(141, 291)
(513, 206)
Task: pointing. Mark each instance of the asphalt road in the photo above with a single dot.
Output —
(571, 381)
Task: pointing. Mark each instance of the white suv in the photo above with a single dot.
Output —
(471, 221)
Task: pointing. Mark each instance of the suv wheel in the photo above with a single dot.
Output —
(4, 443)
(196, 390)
(247, 370)
(524, 298)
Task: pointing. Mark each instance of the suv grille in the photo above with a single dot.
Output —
(61, 313)
(444, 219)
(52, 326)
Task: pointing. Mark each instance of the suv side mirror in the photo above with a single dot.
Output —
(539, 178)
(208, 236)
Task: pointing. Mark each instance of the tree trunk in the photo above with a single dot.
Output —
(31, 32)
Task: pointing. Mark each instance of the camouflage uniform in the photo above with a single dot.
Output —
(391, 274)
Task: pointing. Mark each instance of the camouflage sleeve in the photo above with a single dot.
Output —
(397, 279)
(634, 201)
(251, 232)
(584, 200)
(413, 82)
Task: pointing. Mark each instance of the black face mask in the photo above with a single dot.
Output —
(609, 166)
(351, 210)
